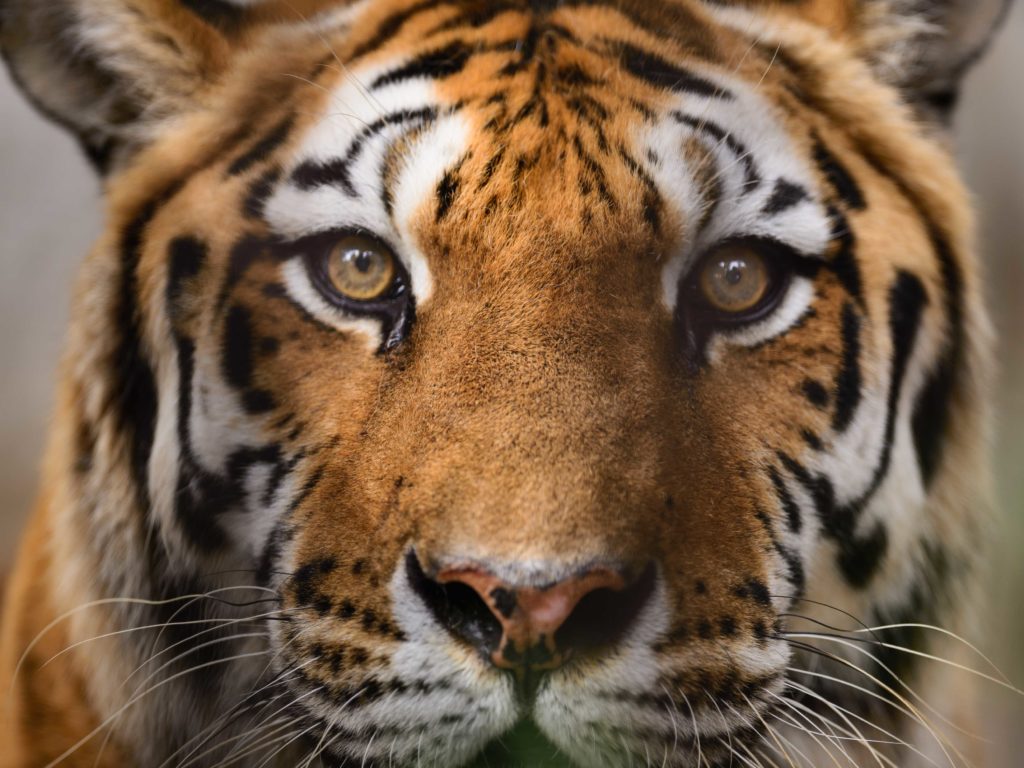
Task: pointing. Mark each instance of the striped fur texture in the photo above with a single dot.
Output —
(249, 483)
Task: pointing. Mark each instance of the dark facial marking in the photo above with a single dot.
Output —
(933, 407)
(785, 195)
(312, 174)
(848, 381)
(789, 505)
(135, 388)
(816, 392)
(262, 149)
(721, 136)
(259, 192)
(843, 261)
(236, 361)
(661, 73)
(220, 13)
(839, 178)
(447, 190)
(436, 65)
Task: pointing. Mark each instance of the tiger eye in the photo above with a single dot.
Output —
(360, 268)
(734, 280)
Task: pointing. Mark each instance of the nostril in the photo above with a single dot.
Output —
(603, 617)
(457, 607)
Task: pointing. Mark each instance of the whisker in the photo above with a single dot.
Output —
(121, 710)
(907, 708)
(95, 604)
(226, 623)
(848, 642)
(842, 713)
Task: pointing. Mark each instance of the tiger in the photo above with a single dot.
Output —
(509, 382)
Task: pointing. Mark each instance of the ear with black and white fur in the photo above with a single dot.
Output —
(111, 71)
(925, 47)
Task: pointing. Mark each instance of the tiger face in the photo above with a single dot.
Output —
(536, 368)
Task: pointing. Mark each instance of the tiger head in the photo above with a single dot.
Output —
(504, 368)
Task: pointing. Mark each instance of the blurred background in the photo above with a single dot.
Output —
(50, 214)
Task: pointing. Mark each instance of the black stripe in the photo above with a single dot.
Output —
(661, 73)
(839, 178)
(652, 201)
(273, 139)
(907, 300)
(815, 392)
(595, 172)
(848, 381)
(721, 136)
(283, 531)
(931, 416)
(392, 25)
(312, 174)
(135, 390)
(785, 195)
(236, 360)
(447, 190)
(861, 556)
(259, 192)
(789, 506)
(220, 13)
(436, 65)
(244, 253)
(186, 256)
(843, 261)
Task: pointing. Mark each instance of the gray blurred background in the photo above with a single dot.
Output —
(50, 214)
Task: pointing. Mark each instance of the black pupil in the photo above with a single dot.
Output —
(362, 260)
(734, 272)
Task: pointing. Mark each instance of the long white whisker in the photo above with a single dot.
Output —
(121, 710)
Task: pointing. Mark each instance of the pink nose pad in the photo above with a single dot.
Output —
(530, 617)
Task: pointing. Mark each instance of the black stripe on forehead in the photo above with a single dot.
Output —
(711, 129)
(262, 148)
(436, 64)
(218, 12)
(311, 174)
(670, 21)
(661, 73)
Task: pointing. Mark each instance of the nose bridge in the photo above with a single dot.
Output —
(538, 448)
(523, 432)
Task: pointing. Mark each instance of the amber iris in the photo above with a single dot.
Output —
(361, 269)
(734, 279)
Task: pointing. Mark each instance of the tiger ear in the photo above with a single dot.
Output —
(111, 71)
(925, 47)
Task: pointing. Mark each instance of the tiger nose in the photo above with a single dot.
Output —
(537, 628)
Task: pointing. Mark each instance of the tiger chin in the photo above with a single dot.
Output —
(508, 383)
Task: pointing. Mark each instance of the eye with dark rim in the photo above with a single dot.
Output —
(739, 282)
(361, 275)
